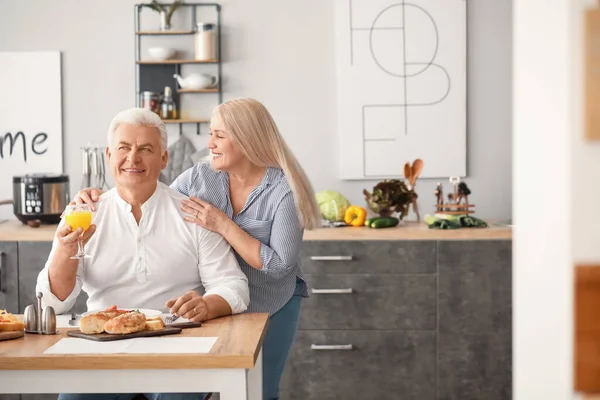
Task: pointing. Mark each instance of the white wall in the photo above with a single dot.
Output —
(586, 160)
(545, 127)
(282, 53)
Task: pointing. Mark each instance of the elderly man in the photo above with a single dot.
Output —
(143, 253)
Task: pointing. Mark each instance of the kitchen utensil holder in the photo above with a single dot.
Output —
(455, 209)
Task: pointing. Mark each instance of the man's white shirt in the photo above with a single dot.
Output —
(143, 266)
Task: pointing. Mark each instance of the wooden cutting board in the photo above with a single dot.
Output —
(11, 335)
(106, 337)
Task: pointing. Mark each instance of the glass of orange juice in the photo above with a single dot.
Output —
(79, 216)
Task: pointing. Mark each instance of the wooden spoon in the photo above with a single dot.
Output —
(417, 167)
(407, 172)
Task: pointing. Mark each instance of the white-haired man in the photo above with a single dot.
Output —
(143, 253)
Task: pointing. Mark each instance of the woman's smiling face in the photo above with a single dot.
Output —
(224, 155)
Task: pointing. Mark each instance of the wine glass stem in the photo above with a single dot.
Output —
(80, 245)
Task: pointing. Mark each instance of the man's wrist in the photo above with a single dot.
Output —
(63, 254)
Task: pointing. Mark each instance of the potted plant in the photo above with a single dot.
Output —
(165, 11)
(390, 196)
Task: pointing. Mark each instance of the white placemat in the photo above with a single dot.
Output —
(150, 345)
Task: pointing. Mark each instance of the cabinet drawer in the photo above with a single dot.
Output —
(9, 277)
(388, 257)
(372, 365)
(366, 301)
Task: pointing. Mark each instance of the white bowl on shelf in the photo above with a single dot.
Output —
(160, 53)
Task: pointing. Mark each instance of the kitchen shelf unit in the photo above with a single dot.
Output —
(151, 75)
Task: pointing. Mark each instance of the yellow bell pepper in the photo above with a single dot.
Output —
(355, 216)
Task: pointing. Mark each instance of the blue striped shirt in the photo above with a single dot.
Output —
(269, 216)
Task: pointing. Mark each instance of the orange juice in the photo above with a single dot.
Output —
(79, 219)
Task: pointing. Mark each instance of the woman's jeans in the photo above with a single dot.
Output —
(278, 341)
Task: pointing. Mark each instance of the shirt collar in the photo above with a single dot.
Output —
(272, 176)
(148, 204)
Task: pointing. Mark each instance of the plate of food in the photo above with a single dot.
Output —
(10, 326)
(121, 323)
(122, 310)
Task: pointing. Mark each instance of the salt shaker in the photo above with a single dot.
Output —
(30, 317)
(48, 321)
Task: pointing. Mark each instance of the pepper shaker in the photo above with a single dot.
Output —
(30, 317)
(48, 321)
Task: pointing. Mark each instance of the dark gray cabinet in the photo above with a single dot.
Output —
(32, 259)
(375, 257)
(475, 320)
(404, 320)
(9, 277)
(357, 364)
(370, 301)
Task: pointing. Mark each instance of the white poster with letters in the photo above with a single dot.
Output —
(30, 117)
(401, 86)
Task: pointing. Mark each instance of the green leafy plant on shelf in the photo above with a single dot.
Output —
(165, 11)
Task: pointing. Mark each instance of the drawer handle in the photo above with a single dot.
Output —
(331, 347)
(331, 258)
(332, 291)
(1, 269)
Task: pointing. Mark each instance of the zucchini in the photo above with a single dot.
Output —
(369, 221)
(385, 222)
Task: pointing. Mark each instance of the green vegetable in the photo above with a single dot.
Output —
(444, 221)
(429, 219)
(385, 222)
(445, 224)
(369, 221)
(333, 205)
(472, 222)
(389, 196)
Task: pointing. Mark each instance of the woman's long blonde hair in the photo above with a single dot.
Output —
(254, 132)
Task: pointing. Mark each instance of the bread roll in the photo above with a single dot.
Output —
(93, 323)
(9, 322)
(154, 324)
(12, 326)
(126, 323)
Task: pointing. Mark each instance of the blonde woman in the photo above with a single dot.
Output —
(255, 194)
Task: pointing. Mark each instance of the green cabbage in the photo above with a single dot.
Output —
(333, 205)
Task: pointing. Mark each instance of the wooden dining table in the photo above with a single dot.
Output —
(233, 366)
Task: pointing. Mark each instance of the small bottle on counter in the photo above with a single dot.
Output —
(168, 109)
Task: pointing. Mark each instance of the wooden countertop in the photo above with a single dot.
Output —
(240, 338)
(15, 231)
(410, 231)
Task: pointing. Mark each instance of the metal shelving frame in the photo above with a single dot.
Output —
(164, 71)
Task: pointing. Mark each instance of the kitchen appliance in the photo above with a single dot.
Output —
(40, 197)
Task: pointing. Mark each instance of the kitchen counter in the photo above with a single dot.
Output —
(14, 231)
(410, 231)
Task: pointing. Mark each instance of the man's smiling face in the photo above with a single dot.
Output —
(135, 155)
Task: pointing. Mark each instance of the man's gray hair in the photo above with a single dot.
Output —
(139, 117)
